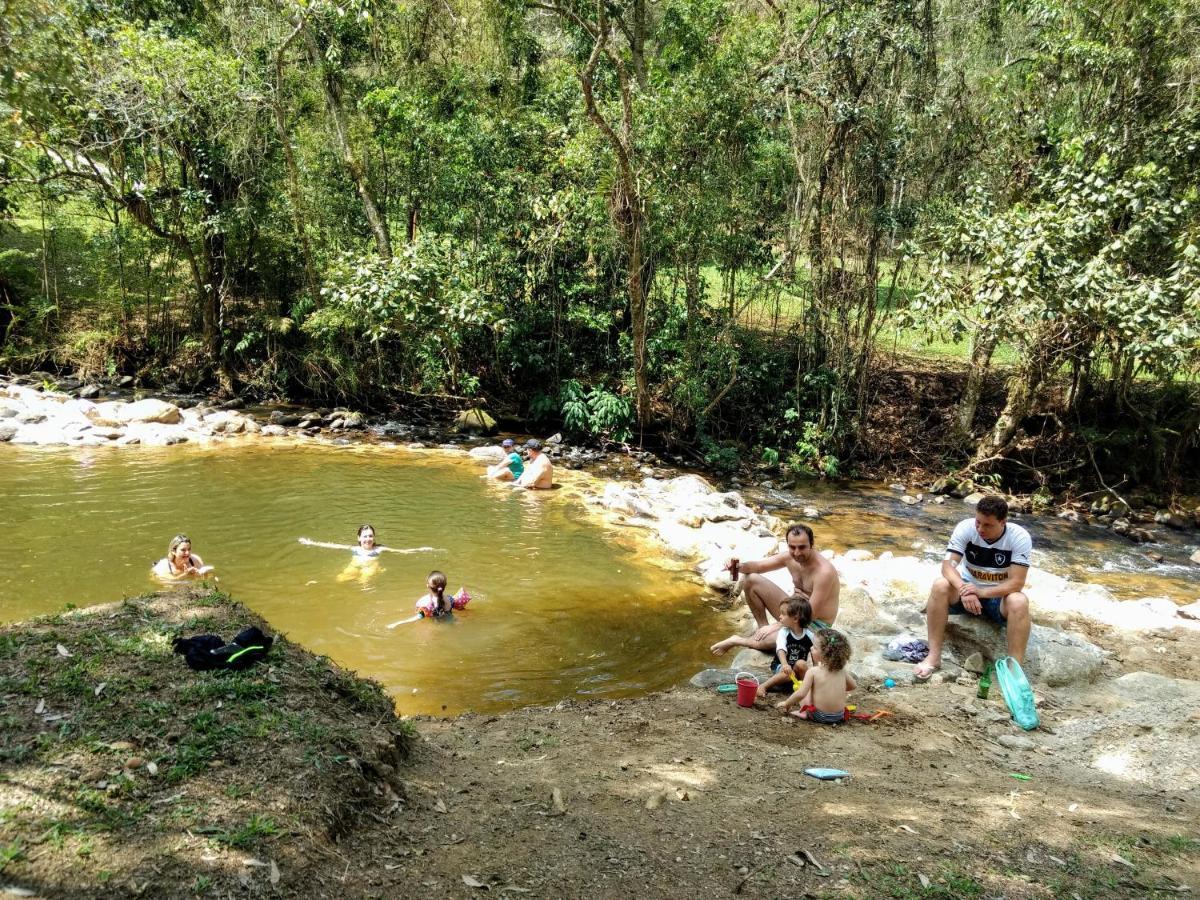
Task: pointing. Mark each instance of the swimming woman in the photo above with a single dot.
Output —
(366, 548)
(364, 561)
(180, 562)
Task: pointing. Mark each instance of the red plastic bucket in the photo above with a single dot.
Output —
(747, 688)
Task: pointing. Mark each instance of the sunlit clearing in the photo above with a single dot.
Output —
(1113, 763)
(692, 776)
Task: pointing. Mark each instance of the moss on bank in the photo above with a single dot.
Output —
(122, 771)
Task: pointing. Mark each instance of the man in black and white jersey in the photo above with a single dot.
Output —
(983, 574)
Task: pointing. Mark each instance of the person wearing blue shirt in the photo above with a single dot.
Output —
(511, 468)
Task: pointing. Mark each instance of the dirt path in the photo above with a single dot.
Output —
(295, 780)
(930, 796)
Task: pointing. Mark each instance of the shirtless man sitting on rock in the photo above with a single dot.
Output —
(813, 578)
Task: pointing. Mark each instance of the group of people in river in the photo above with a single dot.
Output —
(982, 574)
(534, 472)
(181, 563)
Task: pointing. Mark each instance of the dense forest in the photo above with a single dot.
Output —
(718, 223)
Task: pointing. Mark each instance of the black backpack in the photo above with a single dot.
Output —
(209, 651)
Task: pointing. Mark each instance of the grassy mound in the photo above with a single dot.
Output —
(124, 772)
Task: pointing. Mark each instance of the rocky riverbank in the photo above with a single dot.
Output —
(1143, 653)
(35, 413)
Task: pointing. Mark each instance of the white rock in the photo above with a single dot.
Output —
(858, 555)
(46, 433)
(150, 410)
(490, 454)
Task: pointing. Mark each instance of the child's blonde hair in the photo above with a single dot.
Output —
(835, 649)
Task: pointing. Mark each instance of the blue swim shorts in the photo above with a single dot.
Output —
(991, 610)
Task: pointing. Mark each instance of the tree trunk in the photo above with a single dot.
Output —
(295, 196)
(637, 306)
(1022, 390)
(691, 294)
(332, 93)
(626, 205)
(982, 348)
(212, 296)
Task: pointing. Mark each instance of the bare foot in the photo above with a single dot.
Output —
(799, 714)
(720, 647)
(925, 669)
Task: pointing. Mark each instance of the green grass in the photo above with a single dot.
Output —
(902, 883)
(10, 853)
(256, 828)
(1180, 845)
(535, 739)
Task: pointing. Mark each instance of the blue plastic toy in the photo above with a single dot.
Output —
(889, 683)
(1017, 693)
(827, 774)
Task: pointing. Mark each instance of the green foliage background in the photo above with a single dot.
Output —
(355, 200)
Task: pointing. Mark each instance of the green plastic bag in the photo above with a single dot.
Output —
(1017, 693)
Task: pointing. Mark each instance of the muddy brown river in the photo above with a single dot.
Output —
(562, 608)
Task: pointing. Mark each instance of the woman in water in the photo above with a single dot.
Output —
(180, 562)
(366, 547)
(365, 559)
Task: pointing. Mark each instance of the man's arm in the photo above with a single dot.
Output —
(770, 564)
(1014, 582)
(533, 471)
(950, 570)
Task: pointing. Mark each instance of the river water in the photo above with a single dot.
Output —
(562, 607)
